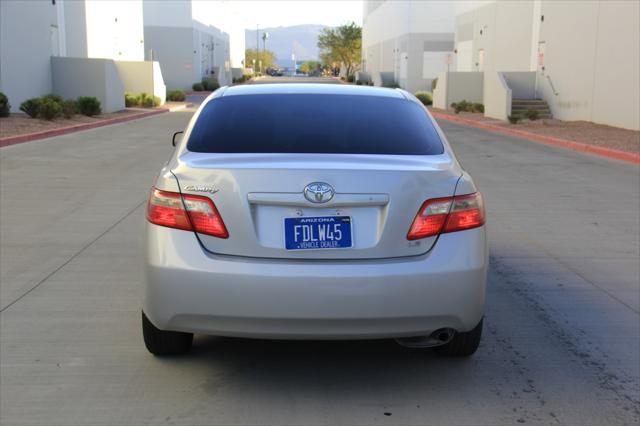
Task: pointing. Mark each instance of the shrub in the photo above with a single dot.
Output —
(176, 95)
(198, 87)
(88, 105)
(425, 97)
(5, 107)
(69, 108)
(477, 107)
(31, 107)
(531, 114)
(461, 106)
(54, 98)
(49, 108)
(131, 100)
(156, 101)
(392, 85)
(351, 78)
(513, 119)
(210, 84)
(359, 82)
(146, 101)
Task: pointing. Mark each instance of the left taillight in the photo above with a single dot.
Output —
(450, 214)
(167, 208)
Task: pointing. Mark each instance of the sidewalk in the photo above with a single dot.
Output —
(19, 128)
(598, 139)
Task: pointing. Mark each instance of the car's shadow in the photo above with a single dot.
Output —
(326, 365)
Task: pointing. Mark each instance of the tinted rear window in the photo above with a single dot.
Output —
(303, 123)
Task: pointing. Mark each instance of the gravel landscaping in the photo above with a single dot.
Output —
(20, 124)
(577, 131)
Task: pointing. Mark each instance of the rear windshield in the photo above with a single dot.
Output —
(322, 124)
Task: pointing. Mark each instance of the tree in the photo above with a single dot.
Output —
(342, 45)
(267, 57)
(309, 66)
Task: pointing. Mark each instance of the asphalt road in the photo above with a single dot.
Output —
(562, 324)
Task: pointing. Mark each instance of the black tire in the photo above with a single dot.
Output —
(161, 342)
(462, 344)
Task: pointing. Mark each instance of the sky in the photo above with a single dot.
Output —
(269, 13)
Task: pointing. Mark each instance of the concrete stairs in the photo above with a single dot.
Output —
(519, 107)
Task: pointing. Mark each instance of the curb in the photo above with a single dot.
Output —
(548, 140)
(28, 137)
(200, 93)
(180, 107)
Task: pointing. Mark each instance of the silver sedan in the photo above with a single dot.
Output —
(309, 211)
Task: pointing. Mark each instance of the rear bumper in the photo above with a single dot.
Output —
(188, 289)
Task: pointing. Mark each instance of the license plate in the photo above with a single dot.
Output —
(326, 232)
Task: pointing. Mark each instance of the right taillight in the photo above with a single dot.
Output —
(450, 214)
(167, 208)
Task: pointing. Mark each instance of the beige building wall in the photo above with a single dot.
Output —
(409, 39)
(74, 77)
(142, 76)
(29, 36)
(495, 36)
(592, 61)
(585, 55)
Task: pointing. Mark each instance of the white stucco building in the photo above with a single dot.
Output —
(582, 58)
(407, 42)
(192, 40)
(75, 48)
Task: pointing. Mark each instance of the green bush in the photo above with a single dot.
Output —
(351, 78)
(210, 84)
(54, 98)
(88, 105)
(513, 119)
(5, 107)
(198, 87)
(156, 101)
(49, 108)
(176, 95)
(392, 85)
(31, 107)
(146, 101)
(69, 108)
(478, 107)
(131, 100)
(425, 97)
(531, 114)
(461, 106)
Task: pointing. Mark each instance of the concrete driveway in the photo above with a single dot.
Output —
(562, 326)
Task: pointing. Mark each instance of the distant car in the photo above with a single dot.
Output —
(343, 214)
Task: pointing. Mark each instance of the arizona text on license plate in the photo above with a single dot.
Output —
(325, 232)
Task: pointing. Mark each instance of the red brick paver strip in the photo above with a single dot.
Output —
(549, 140)
(28, 137)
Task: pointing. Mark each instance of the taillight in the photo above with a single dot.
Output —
(450, 214)
(167, 209)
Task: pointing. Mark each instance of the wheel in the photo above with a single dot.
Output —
(462, 344)
(161, 342)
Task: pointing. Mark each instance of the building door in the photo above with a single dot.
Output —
(480, 63)
(542, 47)
(55, 41)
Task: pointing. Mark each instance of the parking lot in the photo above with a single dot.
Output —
(561, 343)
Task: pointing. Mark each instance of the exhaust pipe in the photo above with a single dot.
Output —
(439, 337)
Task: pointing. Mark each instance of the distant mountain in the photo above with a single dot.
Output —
(299, 39)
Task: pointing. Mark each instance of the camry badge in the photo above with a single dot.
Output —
(198, 188)
(318, 192)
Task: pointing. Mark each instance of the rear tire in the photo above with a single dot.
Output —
(462, 344)
(161, 342)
